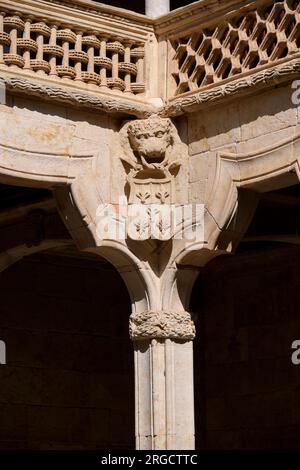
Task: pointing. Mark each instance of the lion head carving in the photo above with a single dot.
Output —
(151, 143)
(152, 154)
(150, 139)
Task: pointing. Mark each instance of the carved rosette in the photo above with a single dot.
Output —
(161, 325)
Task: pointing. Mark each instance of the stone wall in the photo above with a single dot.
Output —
(69, 380)
(38, 127)
(246, 125)
(247, 389)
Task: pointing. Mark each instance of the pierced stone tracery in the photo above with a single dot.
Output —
(240, 43)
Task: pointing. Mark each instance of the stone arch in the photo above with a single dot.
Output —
(15, 254)
(232, 202)
(229, 209)
(138, 279)
(73, 328)
(179, 278)
(71, 177)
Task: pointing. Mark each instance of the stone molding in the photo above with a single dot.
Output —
(161, 325)
(242, 86)
(105, 10)
(195, 13)
(113, 105)
(187, 104)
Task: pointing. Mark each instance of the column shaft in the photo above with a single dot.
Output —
(156, 8)
(164, 394)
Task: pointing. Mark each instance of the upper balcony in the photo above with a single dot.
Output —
(215, 48)
(79, 46)
(119, 60)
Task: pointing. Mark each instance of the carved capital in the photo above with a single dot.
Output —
(161, 325)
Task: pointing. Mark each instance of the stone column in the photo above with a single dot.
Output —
(156, 8)
(164, 390)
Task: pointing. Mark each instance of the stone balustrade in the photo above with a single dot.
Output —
(49, 49)
(196, 49)
(241, 41)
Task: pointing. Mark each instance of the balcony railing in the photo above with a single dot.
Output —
(58, 51)
(242, 40)
(199, 53)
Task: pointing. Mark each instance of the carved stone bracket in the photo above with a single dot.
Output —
(161, 325)
(152, 155)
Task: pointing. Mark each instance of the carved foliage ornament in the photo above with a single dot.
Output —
(161, 325)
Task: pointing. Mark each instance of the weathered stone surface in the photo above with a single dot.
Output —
(151, 325)
(214, 129)
(37, 135)
(267, 113)
(88, 116)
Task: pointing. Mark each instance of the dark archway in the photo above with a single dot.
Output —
(68, 382)
(69, 378)
(246, 386)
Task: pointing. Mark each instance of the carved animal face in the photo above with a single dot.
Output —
(150, 139)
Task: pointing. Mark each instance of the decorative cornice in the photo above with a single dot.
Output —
(99, 103)
(161, 325)
(181, 105)
(243, 86)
